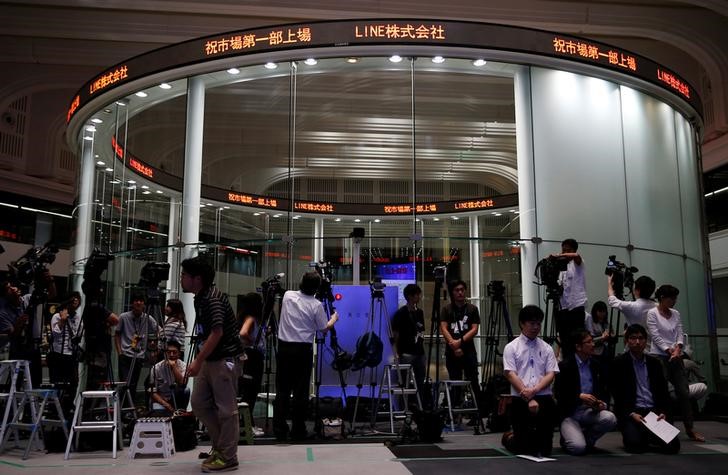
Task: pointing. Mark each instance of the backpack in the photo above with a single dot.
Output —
(369, 348)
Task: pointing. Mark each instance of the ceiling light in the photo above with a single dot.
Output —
(88, 138)
(338, 220)
(270, 65)
(377, 220)
(497, 214)
(100, 163)
(311, 61)
(479, 62)
(90, 128)
(164, 85)
(114, 182)
(96, 120)
(454, 218)
(436, 219)
(122, 102)
(357, 220)
(296, 217)
(225, 207)
(146, 192)
(145, 187)
(131, 182)
(109, 169)
(395, 58)
(438, 59)
(141, 94)
(233, 71)
(352, 60)
(160, 191)
(256, 214)
(277, 215)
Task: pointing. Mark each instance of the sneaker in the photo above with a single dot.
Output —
(258, 432)
(211, 456)
(219, 464)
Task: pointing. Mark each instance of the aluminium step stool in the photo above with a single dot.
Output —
(9, 371)
(152, 435)
(446, 387)
(403, 385)
(37, 400)
(112, 406)
(244, 412)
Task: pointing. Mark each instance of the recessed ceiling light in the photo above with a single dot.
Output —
(109, 169)
(100, 163)
(311, 61)
(96, 120)
(436, 219)
(357, 220)
(146, 192)
(438, 59)
(160, 192)
(338, 220)
(233, 71)
(395, 58)
(141, 94)
(276, 215)
(88, 138)
(296, 217)
(145, 187)
(377, 220)
(131, 182)
(497, 214)
(122, 102)
(479, 62)
(454, 218)
(164, 85)
(352, 60)
(256, 214)
(270, 65)
(90, 128)
(225, 207)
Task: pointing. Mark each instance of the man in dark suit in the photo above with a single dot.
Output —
(581, 394)
(639, 387)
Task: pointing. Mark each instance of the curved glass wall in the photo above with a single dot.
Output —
(591, 159)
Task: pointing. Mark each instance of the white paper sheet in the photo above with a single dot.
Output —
(661, 428)
(536, 459)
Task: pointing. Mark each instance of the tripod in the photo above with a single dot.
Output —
(269, 331)
(498, 314)
(326, 296)
(431, 388)
(377, 307)
(553, 305)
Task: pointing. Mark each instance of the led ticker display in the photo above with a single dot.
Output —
(407, 209)
(333, 34)
(400, 30)
(314, 207)
(275, 37)
(474, 204)
(593, 51)
(257, 201)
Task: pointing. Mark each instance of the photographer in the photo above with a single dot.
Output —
(635, 313)
(97, 322)
(301, 317)
(408, 335)
(169, 391)
(132, 339)
(253, 339)
(570, 317)
(15, 324)
(65, 338)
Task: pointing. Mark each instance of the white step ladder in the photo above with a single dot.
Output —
(112, 405)
(37, 400)
(446, 387)
(9, 371)
(398, 380)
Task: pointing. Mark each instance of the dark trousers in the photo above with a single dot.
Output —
(638, 439)
(125, 366)
(532, 433)
(467, 365)
(674, 371)
(249, 384)
(293, 375)
(567, 323)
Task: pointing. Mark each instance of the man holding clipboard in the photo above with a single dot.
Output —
(641, 398)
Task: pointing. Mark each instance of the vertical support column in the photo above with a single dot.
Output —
(82, 247)
(318, 239)
(526, 183)
(173, 251)
(474, 233)
(190, 232)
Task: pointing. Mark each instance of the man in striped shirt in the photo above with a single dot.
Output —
(217, 365)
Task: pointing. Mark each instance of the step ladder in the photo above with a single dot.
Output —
(112, 407)
(446, 387)
(37, 400)
(398, 380)
(9, 372)
(152, 435)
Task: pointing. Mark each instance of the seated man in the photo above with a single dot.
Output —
(581, 395)
(169, 390)
(639, 386)
(529, 364)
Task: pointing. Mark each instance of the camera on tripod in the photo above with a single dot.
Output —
(96, 264)
(622, 276)
(32, 266)
(439, 273)
(153, 273)
(272, 286)
(496, 288)
(547, 272)
(376, 286)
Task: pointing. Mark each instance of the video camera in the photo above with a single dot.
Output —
(547, 272)
(439, 273)
(622, 276)
(272, 285)
(30, 267)
(96, 264)
(496, 288)
(376, 286)
(324, 292)
(153, 273)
